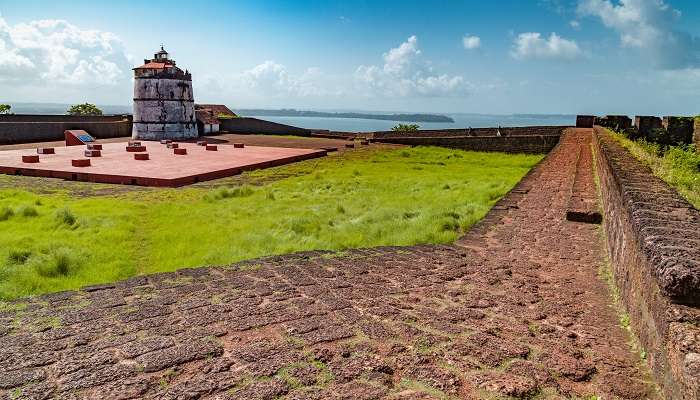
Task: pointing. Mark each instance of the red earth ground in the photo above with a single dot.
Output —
(515, 309)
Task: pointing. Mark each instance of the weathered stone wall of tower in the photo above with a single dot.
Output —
(163, 108)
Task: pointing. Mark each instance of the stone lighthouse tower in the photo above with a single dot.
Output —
(163, 100)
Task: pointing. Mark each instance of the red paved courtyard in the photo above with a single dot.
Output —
(164, 168)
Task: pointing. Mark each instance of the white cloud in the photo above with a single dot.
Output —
(532, 45)
(404, 73)
(471, 42)
(268, 77)
(57, 52)
(647, 25)
(575, 24)
(273, 80)
(399, 59)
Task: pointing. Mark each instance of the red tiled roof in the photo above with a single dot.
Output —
(216, 109)
(154, 65)
(206, 117)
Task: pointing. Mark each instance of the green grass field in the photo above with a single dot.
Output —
(57, 240)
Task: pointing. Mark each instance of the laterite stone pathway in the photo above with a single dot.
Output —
(514, 309)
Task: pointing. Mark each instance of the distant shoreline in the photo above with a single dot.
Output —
(319, 114)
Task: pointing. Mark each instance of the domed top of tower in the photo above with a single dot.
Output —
(161, 66)
(162, 55)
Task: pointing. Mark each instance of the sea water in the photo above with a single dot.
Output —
(461, 121)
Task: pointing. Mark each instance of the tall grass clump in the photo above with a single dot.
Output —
(6, 213)
(17, 256)
(27, 211)
(229, 192)
(65, 216)
(54, 263)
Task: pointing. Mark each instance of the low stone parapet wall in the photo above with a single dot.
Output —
(470, 132)
(28, 132)
(653, 239)
(247, 125)
(506, 144)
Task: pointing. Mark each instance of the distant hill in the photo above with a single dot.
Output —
(322, 114)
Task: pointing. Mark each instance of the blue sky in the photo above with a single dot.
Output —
(519, 56)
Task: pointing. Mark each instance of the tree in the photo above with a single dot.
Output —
(5, 108)
(405, 128)
(84, 109)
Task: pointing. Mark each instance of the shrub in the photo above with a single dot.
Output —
(65, 216)
(84, 109)
(6, 213)
(405, 128)
(684, 157)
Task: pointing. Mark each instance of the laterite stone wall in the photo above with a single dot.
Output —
(653, 239)
(506, 144)
(470, 132)
(45, 128)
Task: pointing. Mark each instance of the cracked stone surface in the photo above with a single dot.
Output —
(514, 309)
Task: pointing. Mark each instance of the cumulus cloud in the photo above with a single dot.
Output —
(271, 79)
(531, 45)
(471, 42)
(268, 77)
(647, 25)
(405, 73)
(57, 52)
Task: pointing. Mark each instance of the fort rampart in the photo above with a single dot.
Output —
(473, 132)
(247, 125)
(653, 240)
(533, 139)
(44, 128)
(506, 144)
